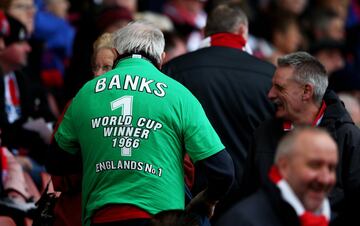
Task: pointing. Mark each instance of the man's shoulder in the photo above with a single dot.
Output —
(336, 113)
(247, 211)
(221, 57)
(274, 124)
(267, 135)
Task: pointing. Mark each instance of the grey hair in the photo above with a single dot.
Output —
(287, 144)
(140, 36)
(307, 69)
(225, 18)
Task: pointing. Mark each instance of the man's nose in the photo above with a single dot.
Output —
(271, 93)
(327, 176)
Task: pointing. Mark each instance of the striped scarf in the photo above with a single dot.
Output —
(306, 218)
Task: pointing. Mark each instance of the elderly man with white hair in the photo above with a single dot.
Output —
(131, 128)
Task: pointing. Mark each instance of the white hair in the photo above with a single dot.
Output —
(140, 37)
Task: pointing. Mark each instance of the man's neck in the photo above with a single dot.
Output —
(308, 115)
(5, 68)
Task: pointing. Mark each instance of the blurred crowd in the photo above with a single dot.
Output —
(56, 46)
(62, 33)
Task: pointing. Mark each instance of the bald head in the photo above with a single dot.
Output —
(303, 138)
(307, 160)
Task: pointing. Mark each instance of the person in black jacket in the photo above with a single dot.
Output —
(296, 186)
(24, 111)
(301, 97)
(230, 84)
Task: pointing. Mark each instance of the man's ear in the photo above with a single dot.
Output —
(283, 165)
(116, 53)
(308, 92)
(243, 31)
(117, 57)
(163, 55)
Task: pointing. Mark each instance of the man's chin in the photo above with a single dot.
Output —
(280, 114)
(314, 201)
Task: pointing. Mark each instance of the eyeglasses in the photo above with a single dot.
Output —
(24, 7)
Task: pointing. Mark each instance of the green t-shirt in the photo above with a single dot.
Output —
(131, 126)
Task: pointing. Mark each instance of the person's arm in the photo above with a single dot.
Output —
(15, 184)
(220, 174)
(60, 162)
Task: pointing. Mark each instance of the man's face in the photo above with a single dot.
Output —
(15, 55)
(24, 11)
(310, 169)
(336, 29)
(293, 6)
(286, 94)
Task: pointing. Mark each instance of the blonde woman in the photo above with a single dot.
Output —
(104, 54)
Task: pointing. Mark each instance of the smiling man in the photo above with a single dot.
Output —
(296, 187)
(299, 92)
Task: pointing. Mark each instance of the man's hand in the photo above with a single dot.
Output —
(202, 205)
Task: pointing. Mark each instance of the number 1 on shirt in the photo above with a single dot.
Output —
(125, 103)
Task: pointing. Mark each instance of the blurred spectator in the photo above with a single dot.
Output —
(294, 7)
(285, 36)
(58, 8)
(278, 10)
(259, 47)
(24, 111)
(348, 79)
(330, 54)
(13, 187)
(174, 46)
(296, 188)
(22, 10)
(160, 21)
(113, 18)
(339, 6)
(104, 54)
(55, 31)
(130, 5)
(189, 19)
(92, 25)
(54, 36)
(352, 106)
(326, 24)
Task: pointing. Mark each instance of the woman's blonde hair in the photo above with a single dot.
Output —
(103, 41)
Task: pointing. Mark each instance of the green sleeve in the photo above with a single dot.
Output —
(201, 140)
